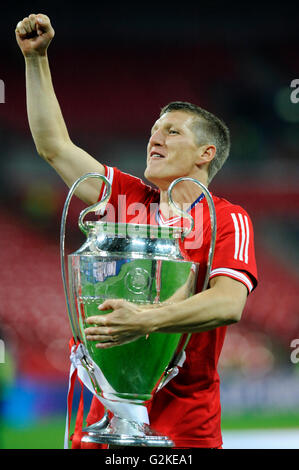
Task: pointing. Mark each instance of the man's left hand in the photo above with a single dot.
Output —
(125, 323)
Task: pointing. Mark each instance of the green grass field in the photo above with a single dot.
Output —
(49, 433)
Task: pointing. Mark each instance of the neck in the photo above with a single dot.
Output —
(183, 194)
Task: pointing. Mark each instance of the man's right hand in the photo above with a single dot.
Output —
(34, 34)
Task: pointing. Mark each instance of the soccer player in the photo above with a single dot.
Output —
(185, 141)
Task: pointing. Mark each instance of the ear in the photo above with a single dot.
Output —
(206, 153)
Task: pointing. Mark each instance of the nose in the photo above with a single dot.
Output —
(156, 138)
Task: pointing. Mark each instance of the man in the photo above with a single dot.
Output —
(185, 141)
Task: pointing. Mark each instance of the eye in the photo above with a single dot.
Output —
(173, 131)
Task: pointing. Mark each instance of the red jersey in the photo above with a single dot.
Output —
(187, 408)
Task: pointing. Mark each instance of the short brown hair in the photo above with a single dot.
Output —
(209, 129)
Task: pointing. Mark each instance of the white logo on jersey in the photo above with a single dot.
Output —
(241, 236)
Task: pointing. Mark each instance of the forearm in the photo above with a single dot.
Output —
(201, 312)
(45, 118)
(222, 304)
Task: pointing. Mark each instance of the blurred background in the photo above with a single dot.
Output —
(114, 66)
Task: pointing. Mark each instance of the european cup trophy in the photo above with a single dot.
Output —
(141, 264)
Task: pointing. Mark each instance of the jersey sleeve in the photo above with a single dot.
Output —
(126, 192)
(234, 250)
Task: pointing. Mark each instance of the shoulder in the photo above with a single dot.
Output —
(234, 251)
(131, 178)
(232, 219)
(126, 183)
(223, 205)
(229, 210)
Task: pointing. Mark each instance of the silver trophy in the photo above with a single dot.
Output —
(141, 264)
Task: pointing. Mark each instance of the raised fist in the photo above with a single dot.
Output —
(34, 34)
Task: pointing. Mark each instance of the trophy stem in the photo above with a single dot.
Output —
(124, 433)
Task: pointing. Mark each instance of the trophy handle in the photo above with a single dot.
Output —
(185, 214)
(100, 205)
(97, 206)
(178, 354)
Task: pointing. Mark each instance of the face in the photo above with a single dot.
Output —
(172, 150)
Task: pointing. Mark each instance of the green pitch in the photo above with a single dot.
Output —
(49, 433)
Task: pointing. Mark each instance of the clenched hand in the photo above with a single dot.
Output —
(34, 34)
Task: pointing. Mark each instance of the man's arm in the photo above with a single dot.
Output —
(221, 304)
(49, 132)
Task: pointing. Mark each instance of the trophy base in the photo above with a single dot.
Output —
(122, 432)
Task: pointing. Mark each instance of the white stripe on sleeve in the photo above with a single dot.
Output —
(237, 235)
(241, 237)
(110, 174)
(234, 274)
(247, 239)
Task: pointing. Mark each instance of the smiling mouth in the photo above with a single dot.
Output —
(156, 156)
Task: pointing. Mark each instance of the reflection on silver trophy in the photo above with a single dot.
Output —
(141, 264)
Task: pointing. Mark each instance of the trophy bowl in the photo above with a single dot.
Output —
(141, 264)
